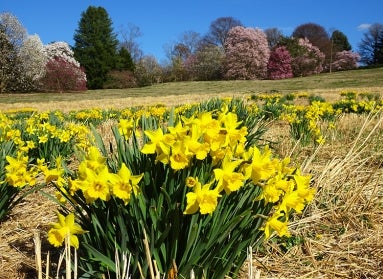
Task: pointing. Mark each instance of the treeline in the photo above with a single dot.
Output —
(229, 50)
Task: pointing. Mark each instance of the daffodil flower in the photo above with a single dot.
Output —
(65, 228)
(202, 198)
(124, 184)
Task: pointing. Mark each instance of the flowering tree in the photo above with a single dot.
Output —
(246, 53)
(33, 58)
(12, 35)
(63, 71)
(14, 30)
(279, 66)
(345, 60)
(307, 59)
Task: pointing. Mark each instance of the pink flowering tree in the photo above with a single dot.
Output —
(246, 53)
(345, 60)
(307, 60)
(279, 66)
(63, 76)
(63, 71)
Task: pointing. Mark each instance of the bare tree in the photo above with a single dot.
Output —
(129, 37)
(219, 30)
(187, 44)
(148, 71)
(274, 36)
(371, 46)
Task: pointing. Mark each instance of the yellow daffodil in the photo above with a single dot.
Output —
(18, 173)
(262, 167)
(155, 142)
(227, 178)
(125, 127)
(65, 227)
(275, 224)
(180, 157)
(124, 184)
(97, 185)
(202, 198)
(94, 160)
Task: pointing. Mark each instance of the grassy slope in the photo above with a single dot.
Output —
(349, 79)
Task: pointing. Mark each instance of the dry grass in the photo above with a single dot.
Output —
(340, 235)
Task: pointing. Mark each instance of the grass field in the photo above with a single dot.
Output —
(181, 92)
(340, 235)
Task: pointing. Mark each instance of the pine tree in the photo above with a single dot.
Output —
(340, 41)
(124, 61)
(96, 45)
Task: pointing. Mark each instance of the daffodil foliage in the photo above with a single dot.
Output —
(192, 185)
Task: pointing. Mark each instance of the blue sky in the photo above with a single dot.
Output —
(162, 22)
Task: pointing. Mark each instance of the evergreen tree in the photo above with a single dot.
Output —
(124, 60)
(340, 41)
(96, 45)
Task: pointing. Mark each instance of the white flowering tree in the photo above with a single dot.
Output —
(246, 53)
(33, 57)
(13, 29)
(12, 35)
(63, 71)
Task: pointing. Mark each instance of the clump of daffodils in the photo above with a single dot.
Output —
(195, 187)
(221, 138)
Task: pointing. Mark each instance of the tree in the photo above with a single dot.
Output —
(371, 46)
(246, 53)
(129, 36)
(181, 51)
(306, 58)
(12, 77)
(12, 36)
(315, 33)
(339, 41)
(96, 45)
(7, 56)
(13, 29)
(34, 59)
(219, 29)
(318, 36)
(148, 71)
(191, 40)
(63, 71)
(279, 66)
(124, 60)
(309, 61)
(63, 76)
(205, 64)
(274, 36)
(345, 60)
